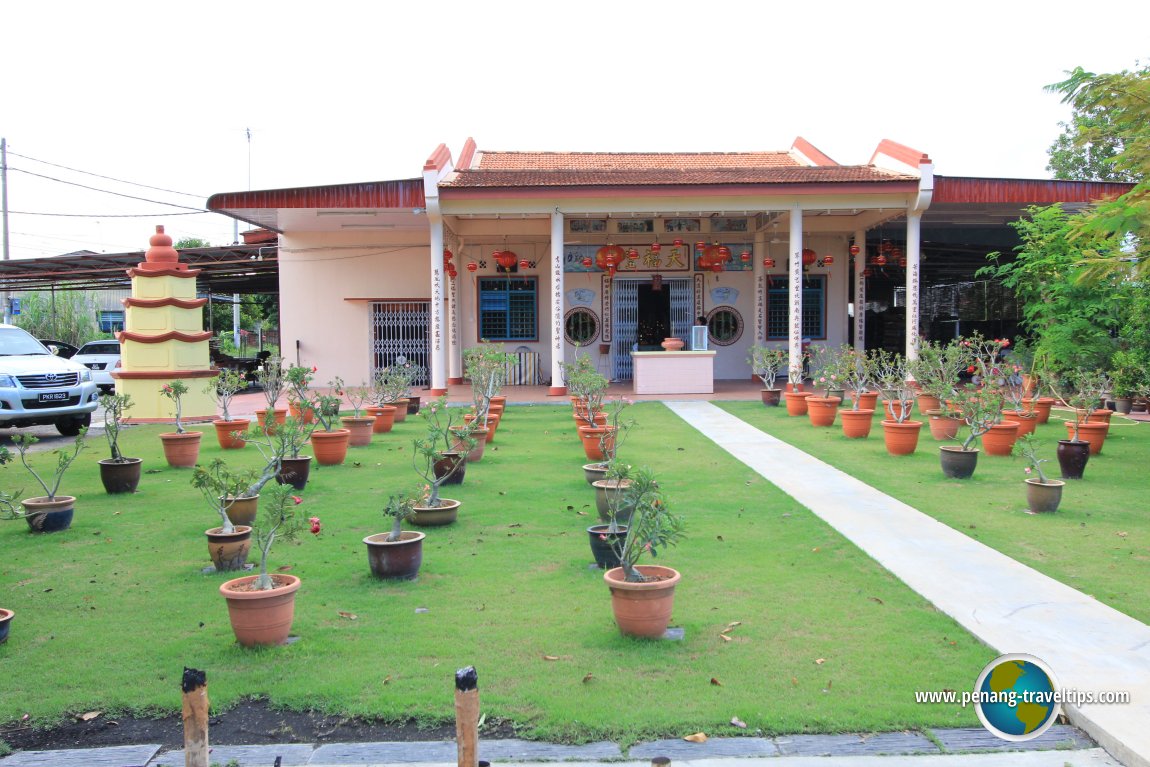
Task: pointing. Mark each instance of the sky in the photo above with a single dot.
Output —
(198, 98)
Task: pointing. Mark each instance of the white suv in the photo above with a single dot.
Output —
(37, 387)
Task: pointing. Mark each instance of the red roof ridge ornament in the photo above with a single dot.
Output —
(161, 255)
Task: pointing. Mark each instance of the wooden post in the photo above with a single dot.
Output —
(195, 688)
(467, 716)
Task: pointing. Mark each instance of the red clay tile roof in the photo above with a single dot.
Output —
(550, 169)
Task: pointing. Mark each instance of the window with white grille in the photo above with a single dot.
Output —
(508, 309)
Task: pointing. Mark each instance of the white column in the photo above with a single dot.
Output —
(795, 321)
(454, 361)
(438, 362)
(860, 291)
(760, 279)
(913, 249)
(557, 304)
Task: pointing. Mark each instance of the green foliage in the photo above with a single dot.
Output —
(890, 373)
(278, 520)
(1116, 110)
(767, 362)
(1070, 320)
(441, 436)
(399, 508)
(271, 378)
(175, 391)
(828, 367)
(1087, 148)
(585, 383)
(486, 366)
(64, 460)
(221, 486)
(1027, 446)
(651, 527)
(224, 387)
(939, 367)
(68, 315)
(115, 406)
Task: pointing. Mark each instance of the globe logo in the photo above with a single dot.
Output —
(1015, 697)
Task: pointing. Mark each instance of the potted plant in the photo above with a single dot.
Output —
(486, 366)
(1042, 494)
(297, 380)
(329, 443)
(617, 428)
(586, 387)
(228, 542)
(288, 441)
(795, 397)
(271, 379)
(642, 596)
(856, 375)
(48, 513)
(1126, 377)
(397, 554)
(827, 374)
(223, 388)
(900, 434)
(412, 372)
(937, 371)
(181, 447)
(613, 504)
(119, 474)
(1078, 390)
(261, 607)
(767, 362)
(387, 388)
(437, 457)
(979, 409)
(359, 426)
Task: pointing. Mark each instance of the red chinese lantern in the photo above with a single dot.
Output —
(828, 260)
(587, 262)
(855, 250)
(745, 256)
(867, 272)
(896, 253)
(886, 247)
(902, 261)
(611, 271)
(656, 247)
(880, 260)
(472, 266)
(447, 254)
(656, 282)
(678, 243)
(609, 256)
(451, 272)
(700, 245)
(632, 254)
(524, 264)
(717, 267)
(809, 256)
(769, 263)
(505, 258)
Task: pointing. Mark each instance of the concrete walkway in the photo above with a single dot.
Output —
(1010, 607)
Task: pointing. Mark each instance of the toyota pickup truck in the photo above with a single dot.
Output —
(39, 388)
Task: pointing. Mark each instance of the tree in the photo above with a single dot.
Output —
(1086, 149)
(67, 315)
(1120, 106)
(1072, 321)
(191, 242)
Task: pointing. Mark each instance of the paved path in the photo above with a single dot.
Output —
(1010, 607)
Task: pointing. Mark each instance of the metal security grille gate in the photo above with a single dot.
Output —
(401, 329)
(625, 319)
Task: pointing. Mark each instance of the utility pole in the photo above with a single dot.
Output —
(4, 195)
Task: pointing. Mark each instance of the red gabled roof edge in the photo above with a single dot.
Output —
(811, 151)
(900, 152)
(468, 154)
(1013, 191)
(402, 193)
(438, 159)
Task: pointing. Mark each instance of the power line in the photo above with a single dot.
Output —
(109, 178)
(111, 215)
(106, 191)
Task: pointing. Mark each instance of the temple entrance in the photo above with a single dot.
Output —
(642, 317)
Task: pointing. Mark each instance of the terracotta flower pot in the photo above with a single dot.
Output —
(796, 402)
(1092, 432)
(182, 450)
(1041, 407)
(279, 415)
(360, 430)
(437, 516)
(492, 423)
(475, 455)
(957, 463)
(643, 609)
(868, 400)
(229, 551)
(857, 423)
(5, 623)
(927, 402)
(226, 431)
(1027, 422)
(1100, 415)
(395, 560)
(261, 618)
(901, 438)
(771, 397)
(595, 438)
(581, 418)
(294, 472)
(401, 409)
(943, 426)
(120, 476)
(499, 399)
(384, 418)
(1000, 439)
(330, 447)
(243, 511)
(49, 516)
(307, 415)
(672, 344)
(1043, 497)
(822, 410)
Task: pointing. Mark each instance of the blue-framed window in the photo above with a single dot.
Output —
(814, 306)
(111, 321)
(508, 308)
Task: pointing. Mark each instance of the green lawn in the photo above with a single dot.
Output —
(110, 612)
(1098, 541)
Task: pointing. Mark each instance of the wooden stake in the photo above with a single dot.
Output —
(467, 716)
(195, 688)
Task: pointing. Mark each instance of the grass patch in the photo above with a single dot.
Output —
(109, 612)
(1097, 542)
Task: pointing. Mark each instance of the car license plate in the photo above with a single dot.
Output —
(53, 396)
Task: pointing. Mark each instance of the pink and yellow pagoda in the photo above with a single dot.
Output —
(163, 338)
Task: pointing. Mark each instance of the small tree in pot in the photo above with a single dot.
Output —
(271, 379)
(1042, 494)
(228, 543)
(359, 425)
(437, 457)
(223, 388)
(181, 447)
(399, 553)
(118, 473)
(767, 362)
(890, 372)
(1081, 391)
(50, 512)
(486, 366)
